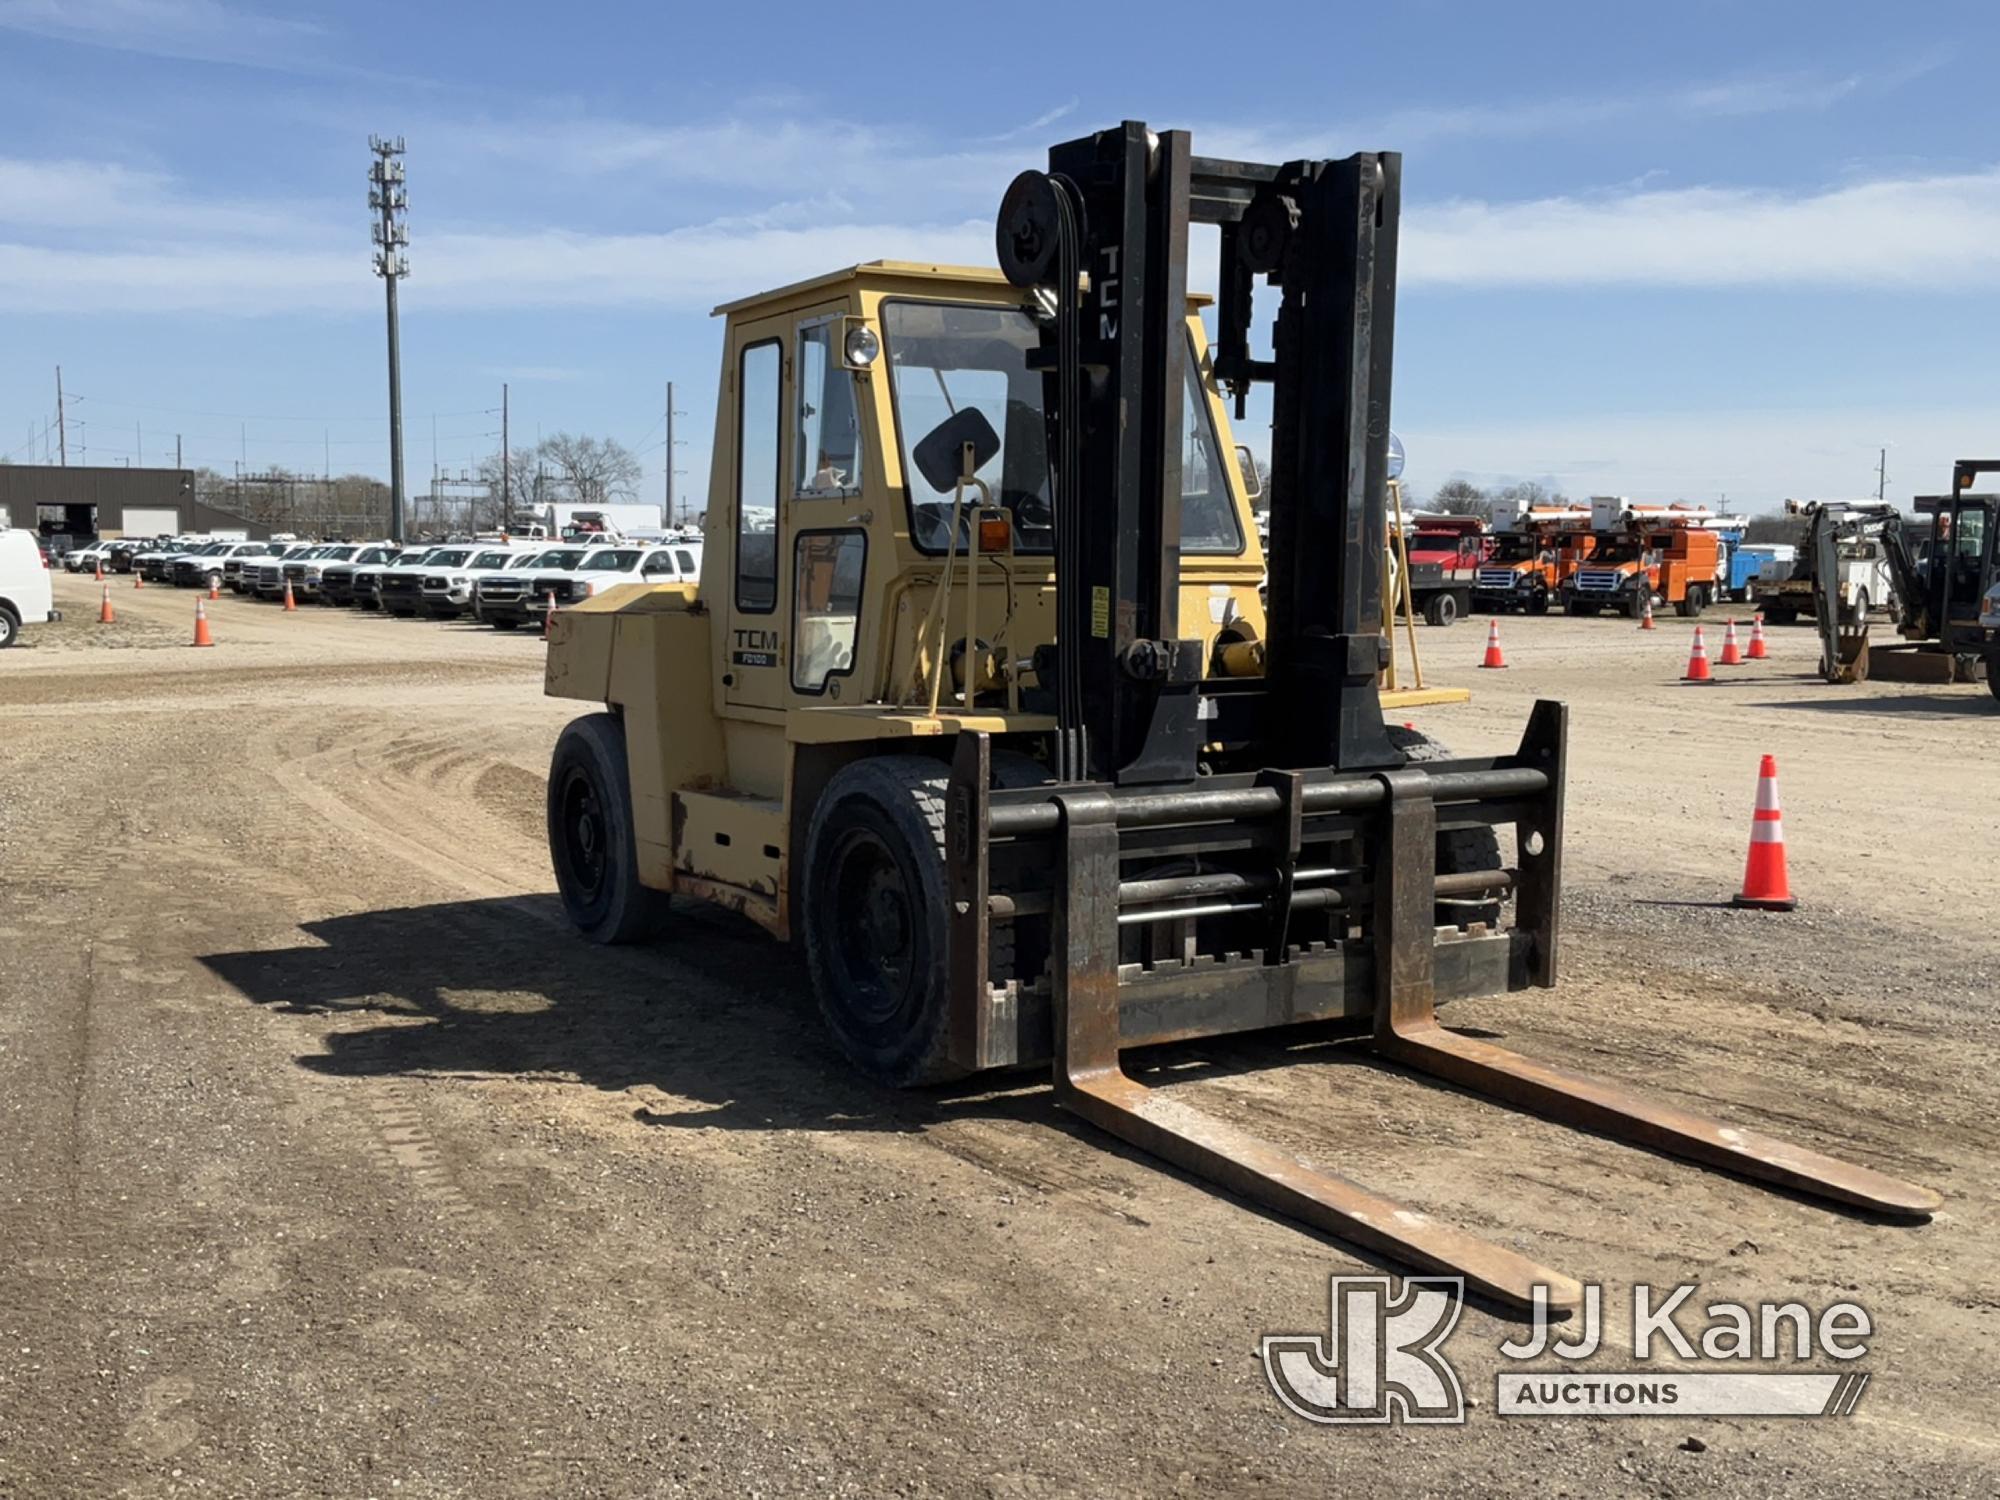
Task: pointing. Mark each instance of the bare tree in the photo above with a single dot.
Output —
(1461, 497)
(600, 470)
(1530, 494)
(520, 482)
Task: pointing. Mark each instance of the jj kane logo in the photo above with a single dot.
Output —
(1382, 1357)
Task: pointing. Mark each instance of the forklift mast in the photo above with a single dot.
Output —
(1104, 231)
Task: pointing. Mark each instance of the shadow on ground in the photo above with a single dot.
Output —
(1942, 704)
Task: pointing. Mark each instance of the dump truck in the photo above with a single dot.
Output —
(975, 700)
(1445, 554)
(1536, 549)
(1646, 554)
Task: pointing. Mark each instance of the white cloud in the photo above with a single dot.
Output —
(196, 30)
(690, 269)
(1941, 231)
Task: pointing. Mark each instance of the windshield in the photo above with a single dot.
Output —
(372, 555)
(560, 557)
(610, 560)
(493, 559)
(447, 557)
(943, 359)
(337, 554)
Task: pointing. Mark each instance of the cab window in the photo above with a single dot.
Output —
(759, 416)
(826, 604)
(1208, 510)
(827, 450)
(659, 565)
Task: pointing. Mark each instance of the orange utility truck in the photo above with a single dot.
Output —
(1662, 554)
(1535, 548)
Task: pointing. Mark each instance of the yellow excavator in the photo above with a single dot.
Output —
(976, 698)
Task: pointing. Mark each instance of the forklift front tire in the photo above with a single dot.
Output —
(591, 840)
(873, 907)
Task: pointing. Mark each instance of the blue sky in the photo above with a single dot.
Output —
(1671, 252)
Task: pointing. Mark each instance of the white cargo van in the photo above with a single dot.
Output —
(25, 595)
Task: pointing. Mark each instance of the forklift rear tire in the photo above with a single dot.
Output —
(1440, 610)
(874, 914)
(1459, 850)
(591, 841)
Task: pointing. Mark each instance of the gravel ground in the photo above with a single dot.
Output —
(335, 1166)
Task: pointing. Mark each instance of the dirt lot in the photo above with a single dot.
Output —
(334, 1165)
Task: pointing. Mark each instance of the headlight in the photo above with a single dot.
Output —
(460, 580)
(861, 346)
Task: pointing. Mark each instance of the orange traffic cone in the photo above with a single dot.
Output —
(1698, 661)
(1493, 656)
(138, 580)
(291, 604)
(201, 635)
(549, 616)
(1646, 618)
(1756, 651)
(105, 614)
(100, 570)
(1766, 885)
(214, 591)
(1732, 656)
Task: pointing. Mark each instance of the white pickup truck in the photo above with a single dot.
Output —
(526, 593)
(447, 590)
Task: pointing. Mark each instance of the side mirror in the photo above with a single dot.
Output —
(938, 456)
(1253, 482)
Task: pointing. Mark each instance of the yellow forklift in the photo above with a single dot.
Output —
(976, 698)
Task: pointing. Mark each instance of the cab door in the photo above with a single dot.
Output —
(753, 673)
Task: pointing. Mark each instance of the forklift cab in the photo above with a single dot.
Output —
(1961, 564)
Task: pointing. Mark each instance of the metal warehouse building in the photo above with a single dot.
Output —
(79, 501)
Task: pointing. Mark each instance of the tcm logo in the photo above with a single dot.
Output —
(755, 648)
(1380, 1360)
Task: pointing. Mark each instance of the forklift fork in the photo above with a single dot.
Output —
(1090, 1081)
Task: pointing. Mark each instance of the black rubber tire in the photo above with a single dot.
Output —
(1440, 610)
(1776, 616)
(504, 622)
(591, 842)
(874, 905)
(1538, 602)
(10, 627)
(1858, 614)
(1459, 850)
(1993, 677)
(1575, 608)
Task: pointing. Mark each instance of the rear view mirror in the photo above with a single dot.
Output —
(938, 456)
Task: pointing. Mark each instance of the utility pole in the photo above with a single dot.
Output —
(390, 201)
(506, 464)
(1882, 474)
(138, 446)
(62, 426)
(177, 450)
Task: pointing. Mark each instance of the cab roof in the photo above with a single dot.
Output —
(894, 270)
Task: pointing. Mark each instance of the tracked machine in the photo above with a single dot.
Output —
(977, 701)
